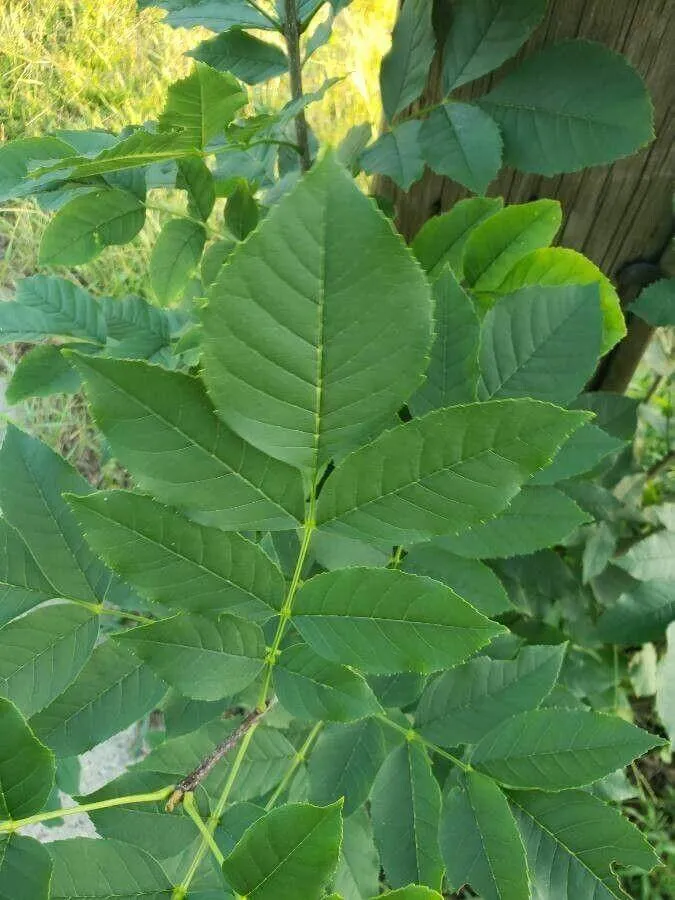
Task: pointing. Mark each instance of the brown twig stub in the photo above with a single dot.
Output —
(190, 782)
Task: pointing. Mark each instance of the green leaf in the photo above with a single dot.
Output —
(396, 154)
(463, 705)
(651, 558)
(569, 106)
(43, 652)
(41, 372)
(405, 68)
(22, 582)
(555, 749)
(113, 690)
(236, 819)
(135, 328)
(485, 33)
(25, 868)
(195, 177)
(32, 481)
(304, 365)
(573, 841)
(344, 763)
(162, 427)
(290, 852)
(89, 869)
(182, 715)
(175, 258)
(598, 551)
(309, 687)
(536, 518)
(200, 106)
(384, 621)
(584, 450)
(358, 871)
(174, 561)
(561, 265)
(268, 758)
(212, 14)
(88, 223)
(405, 807)
(656, 303)
(452, 374)
(27, 769)
(540, 342)
(460, 141)
(640, 615)
(185, 752)
(443, 472)
(241, 211)
(412, 892)
(665, 697)
(67, 309)
(19, 157)
(214, 259)
(200, 657)
(614, 413)
(441, 240)
(480, 841)
(245, 56)
(496, 244)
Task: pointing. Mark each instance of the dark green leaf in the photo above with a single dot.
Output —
(25, 869)
(466, 703)
(27, 770)
(195, 177)
(245, 56)
(396, 154)
(41, 372)
(68, 310)
(212, 14)
(22, 582)
(214, 258)
(241, 211)
(640, 615)
(598, 551)
(460, 141)
(569, 106)
(405, 808)
(290, 852)
(236, 819)
(614, 413)
(405, 68)
(555, 749)
(358, 872)
(651, 558)
(397, 690)
(175, 258)
(584, 450)
(656, 303)
(383, 621)
(137, 329)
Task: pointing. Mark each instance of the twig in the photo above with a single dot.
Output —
(190, 782)
(292, 35)
(660, 466)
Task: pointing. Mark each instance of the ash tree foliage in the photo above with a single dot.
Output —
(371, 566)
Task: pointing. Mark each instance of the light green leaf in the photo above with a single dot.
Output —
(19, 157)
(43, 652)
(344, 763)
(175, 258)
(460, 141)
(405, 808)
(195, 177)
(212, 14)
(245, 56)
(309, 687)
(443, 472)
(573, 841)
(87, 869)
(162, 427)
(640, 615)
(536, 518)
(571, 105)
(452, 373)
(214, 258)
(32, 481)
(555, 749)
(290, 852)
(383, 621)
(200, 106)
(485, 33)
(496, 244)
(67, 309)
(27, 770)
(304, 365)
(651, 558)
(405, 68)
(441, 240)
(412, 892)
(88, 223)
(466, 703)
(540, 342)
(200, 657)
(598, 551)
(241, 211)
(470, 578)
(22, 582)
(665, 690)
(656, 303)
(584, 450)
(396, 154)
(358, 871)
(561, 265)
(174, 561)
(480, 841)
(42, 371)
(113, 690)
(25, 868)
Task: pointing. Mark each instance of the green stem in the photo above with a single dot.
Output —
(412, 735)
(193, 812)
(182, 889)
(292, 36)
(101, 610)
(156, 796)
(293, 768)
